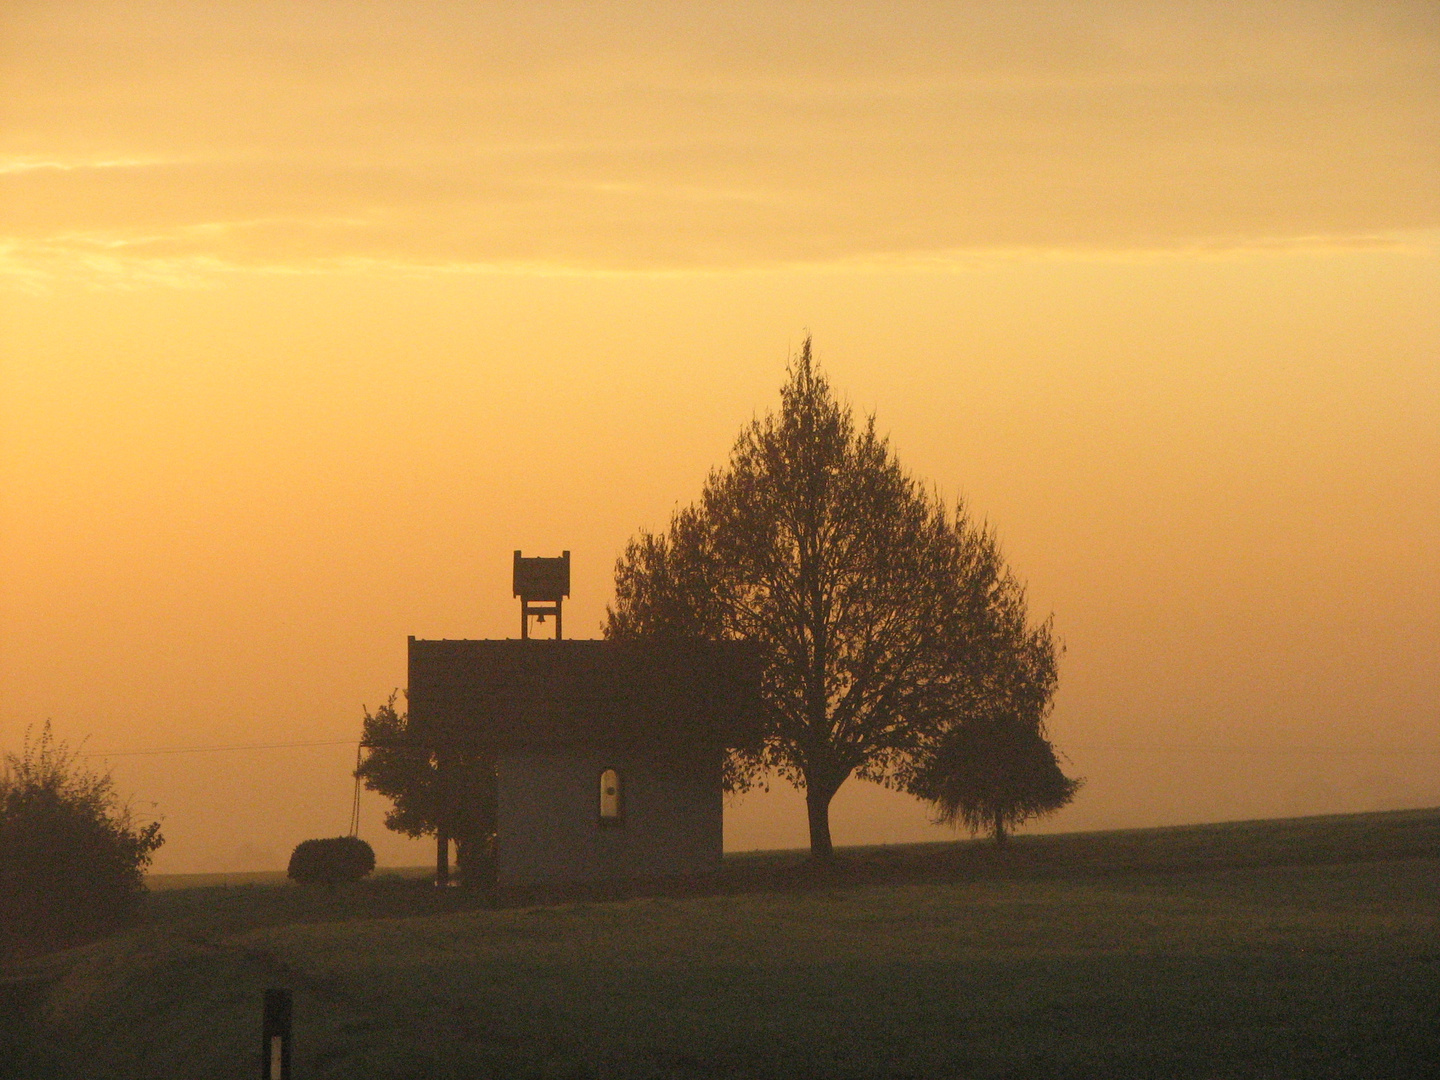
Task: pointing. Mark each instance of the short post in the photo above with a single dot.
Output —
(275, 1033)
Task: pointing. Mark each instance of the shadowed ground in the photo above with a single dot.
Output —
(1308, 947)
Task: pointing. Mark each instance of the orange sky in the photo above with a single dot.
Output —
(310, 314)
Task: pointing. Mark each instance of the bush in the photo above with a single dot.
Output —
(72, 858)
(331, 861)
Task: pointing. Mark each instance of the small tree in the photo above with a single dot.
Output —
(991, 765)
(72, 856)
(994, 773)
(861, 588)
(331, 861)
(451, 797)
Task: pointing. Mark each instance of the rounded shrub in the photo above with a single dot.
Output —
(331, 861)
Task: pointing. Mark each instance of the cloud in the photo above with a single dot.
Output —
(25, 165)
(681, 137)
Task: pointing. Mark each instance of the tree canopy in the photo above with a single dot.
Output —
(453, 797)
(877, 607)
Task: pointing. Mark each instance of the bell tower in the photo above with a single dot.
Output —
(541, 584)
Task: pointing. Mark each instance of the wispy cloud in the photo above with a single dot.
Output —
(687, 139)
(27, 165)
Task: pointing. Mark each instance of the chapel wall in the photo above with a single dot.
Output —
(549, 828)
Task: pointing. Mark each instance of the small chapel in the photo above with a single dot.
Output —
(609, 754)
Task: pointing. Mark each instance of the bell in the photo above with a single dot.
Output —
(540, 618)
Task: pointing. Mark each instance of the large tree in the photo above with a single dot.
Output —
(870, 599)
(450, 797)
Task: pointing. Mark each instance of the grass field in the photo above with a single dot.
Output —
(1302, 948)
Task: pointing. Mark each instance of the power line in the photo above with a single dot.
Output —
(1118, 747)
(216, 749)
(1392, 751)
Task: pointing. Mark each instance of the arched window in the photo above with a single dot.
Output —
(611, 798)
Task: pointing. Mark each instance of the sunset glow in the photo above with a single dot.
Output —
(310, 315)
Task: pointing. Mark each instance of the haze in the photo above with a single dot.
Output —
(311, 314)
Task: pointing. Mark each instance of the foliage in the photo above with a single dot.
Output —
(72, 856)
(427, 794)
(994, 773)
(331, 861)
(872, 603)
(991, 766)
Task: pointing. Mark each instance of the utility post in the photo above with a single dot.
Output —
(275, 1036)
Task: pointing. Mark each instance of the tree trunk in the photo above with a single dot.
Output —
(817, 803)
(1000, 833)
(442, 856)
(443, 791)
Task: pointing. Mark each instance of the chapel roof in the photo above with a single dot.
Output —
(517, 693)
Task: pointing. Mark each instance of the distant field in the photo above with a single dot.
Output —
(1302, 948)
(166, 882)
